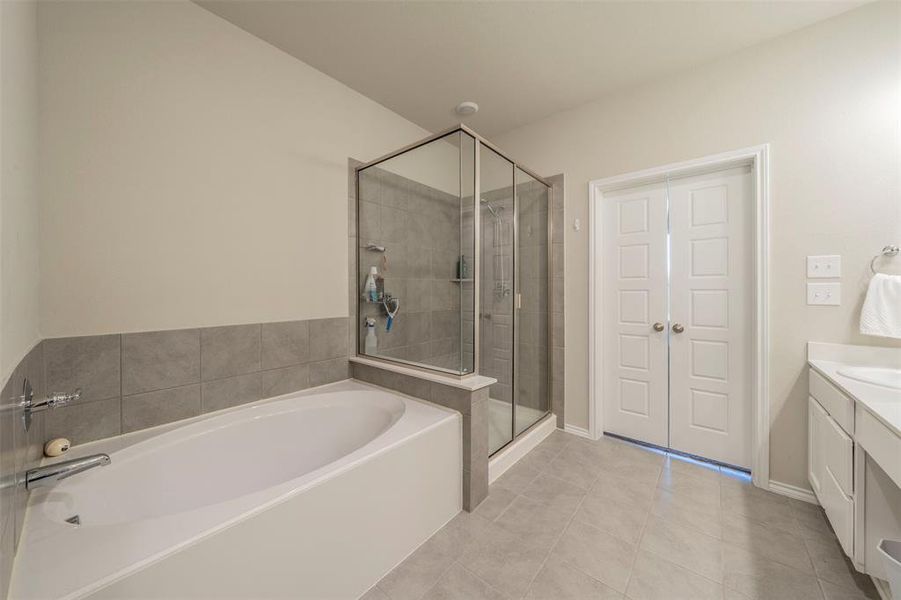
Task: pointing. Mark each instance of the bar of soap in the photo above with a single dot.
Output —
(56, 446)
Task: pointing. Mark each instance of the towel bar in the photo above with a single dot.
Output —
(887, 251)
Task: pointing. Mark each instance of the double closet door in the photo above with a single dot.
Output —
(678, 278)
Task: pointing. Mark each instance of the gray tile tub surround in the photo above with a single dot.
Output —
(473, 405)
(94, 364)
(19, 451)
(138, 380)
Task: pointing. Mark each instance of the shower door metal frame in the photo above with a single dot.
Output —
(477, 309)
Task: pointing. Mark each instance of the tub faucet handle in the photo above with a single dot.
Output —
(61, 398)
(55, 400)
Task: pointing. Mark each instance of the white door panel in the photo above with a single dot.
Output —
(710, 283)
(635, 378)
(686, 387)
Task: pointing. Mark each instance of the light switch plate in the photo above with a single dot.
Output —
(824, 294)
(824, 266)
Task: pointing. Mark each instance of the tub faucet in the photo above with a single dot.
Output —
(44, 476)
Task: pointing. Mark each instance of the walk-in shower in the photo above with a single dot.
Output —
(453, 252)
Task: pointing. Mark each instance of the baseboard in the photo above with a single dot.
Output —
(577, 431)
(508, 457)
(793, 491)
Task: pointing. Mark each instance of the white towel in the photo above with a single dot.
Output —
(881, 312)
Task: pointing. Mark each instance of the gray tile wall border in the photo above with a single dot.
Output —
(134, 381)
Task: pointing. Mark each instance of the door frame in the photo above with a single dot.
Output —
(757, 158)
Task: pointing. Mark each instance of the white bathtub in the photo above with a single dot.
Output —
(310, 495)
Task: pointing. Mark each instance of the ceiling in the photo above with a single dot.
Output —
(521, 61)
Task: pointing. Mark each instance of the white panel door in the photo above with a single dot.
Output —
(635, 298)
(711, 279)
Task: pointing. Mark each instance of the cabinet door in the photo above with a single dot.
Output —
(839, 455)
(839, 510)
(830, 456)
(815, 416)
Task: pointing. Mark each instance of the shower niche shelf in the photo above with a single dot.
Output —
(381, 299)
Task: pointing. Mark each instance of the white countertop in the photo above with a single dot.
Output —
(882, 402)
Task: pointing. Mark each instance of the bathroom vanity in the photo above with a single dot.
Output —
(854, 445)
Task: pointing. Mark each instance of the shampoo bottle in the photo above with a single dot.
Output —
(371, 290)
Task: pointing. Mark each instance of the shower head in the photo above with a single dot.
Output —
(491, 208)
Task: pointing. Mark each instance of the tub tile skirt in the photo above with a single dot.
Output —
(473, 405)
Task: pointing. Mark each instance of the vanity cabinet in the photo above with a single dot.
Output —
(854, 469)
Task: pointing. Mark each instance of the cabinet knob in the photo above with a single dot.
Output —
(678, 328)
(658, 326)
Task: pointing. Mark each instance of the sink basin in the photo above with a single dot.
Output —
(879, 376)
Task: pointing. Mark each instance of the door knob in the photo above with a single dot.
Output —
(658, 326)
(678, 328)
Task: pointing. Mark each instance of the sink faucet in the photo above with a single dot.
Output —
(44, 476)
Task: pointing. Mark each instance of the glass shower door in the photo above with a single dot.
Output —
(531, 340)
(496, 280)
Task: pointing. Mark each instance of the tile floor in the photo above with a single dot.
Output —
(576, 519)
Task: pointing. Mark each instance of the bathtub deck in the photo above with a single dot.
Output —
(579, 519)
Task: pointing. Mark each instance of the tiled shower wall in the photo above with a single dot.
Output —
(533, 340)
(420, 228)
(534, 381)
(490, 303)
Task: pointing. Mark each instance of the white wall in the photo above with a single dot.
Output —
(18, 178)
(436, 164)
(827, 99)
(191, 174)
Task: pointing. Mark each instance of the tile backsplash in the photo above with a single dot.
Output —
(137, 380)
